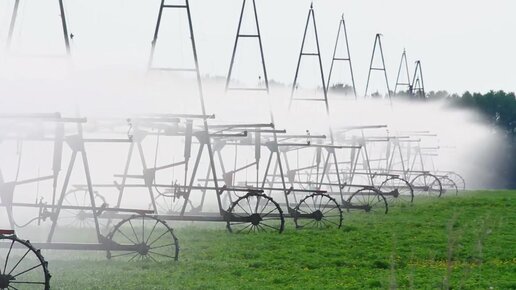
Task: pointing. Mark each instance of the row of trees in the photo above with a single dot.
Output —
(499, 109)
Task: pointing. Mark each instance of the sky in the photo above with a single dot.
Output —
(462, 44)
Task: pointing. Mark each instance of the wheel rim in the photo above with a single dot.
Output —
(404, 194)
(21, 265)
(318, 211)
(458, 180)
(368, 200)
(169, 204)
(255, 212)
(143, 237)
(427, 184)
(449, 186)
(80, 218)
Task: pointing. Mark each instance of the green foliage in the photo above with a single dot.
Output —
(465, 242)
(439, 95)
(498, 107)
(341, 89)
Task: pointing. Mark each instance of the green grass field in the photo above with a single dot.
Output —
(465, 242)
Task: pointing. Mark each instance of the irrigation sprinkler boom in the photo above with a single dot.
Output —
(250, 167)
(52, 212)
(348, 128)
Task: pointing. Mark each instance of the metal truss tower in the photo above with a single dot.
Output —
(377, 43)
(62, 13)
(418, 85)
(311, 17)
(347, 58)
(407, 82)
(256, 36)
(195, 69)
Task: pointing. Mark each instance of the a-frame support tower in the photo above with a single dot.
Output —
(311, 16)
(418, 85)
(377, 43)
(62, 15)
(320, 161)
(407, 82)
(256, 36)
(206, 140)
(347, 58)
(274, 151)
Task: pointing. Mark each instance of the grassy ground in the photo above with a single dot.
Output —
(465, 242)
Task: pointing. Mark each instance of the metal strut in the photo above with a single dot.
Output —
(162, 7)
(14, 16)
(418, 86)
(206, 144)
(377, 42)
(311, 16)
(322, 160)
(347, 58)
(235, 47)
(76, 144)
(407, 82)
(266, 89)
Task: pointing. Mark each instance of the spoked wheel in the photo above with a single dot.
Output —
(318, 211)
(142, 237)
(21, 265)
(369, 200)
(81, 218)
(397, 191)
(449, 186)
(427, 184)
(170, 204)
(458, 180)
(255, 212)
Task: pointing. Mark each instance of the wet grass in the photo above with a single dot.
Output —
(465, 242)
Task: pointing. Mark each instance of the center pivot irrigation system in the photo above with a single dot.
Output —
(252, 177)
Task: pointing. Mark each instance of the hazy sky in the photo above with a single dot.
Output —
(463, 44)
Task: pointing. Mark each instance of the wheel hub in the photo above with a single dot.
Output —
(255, 219)
(5, 280)
(143, 249)
(82, 216)
(318, 215)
